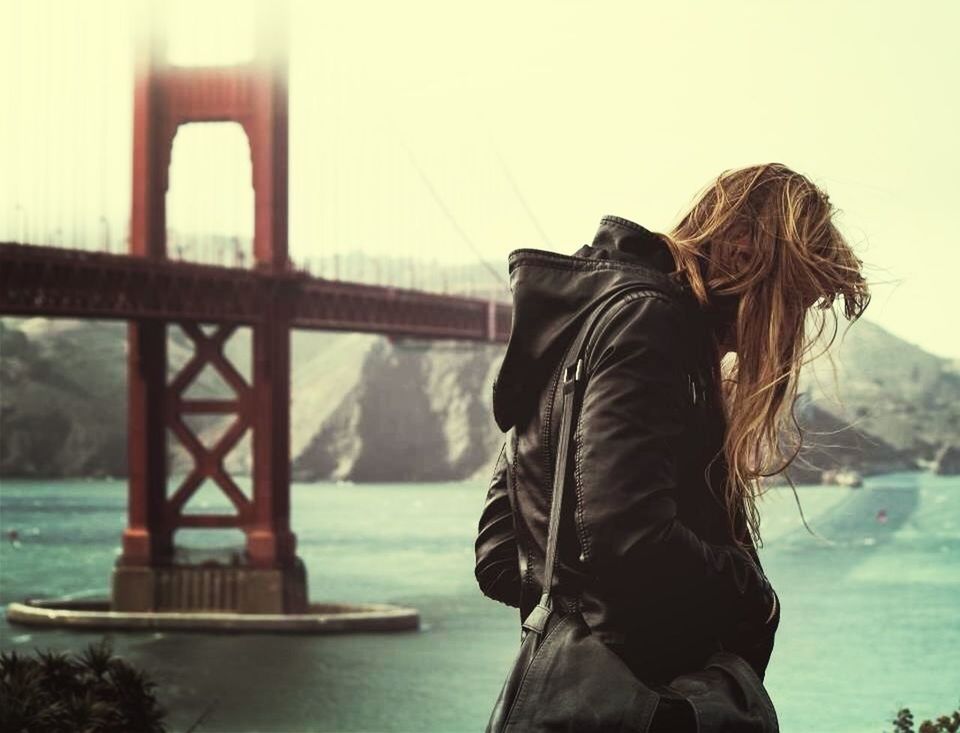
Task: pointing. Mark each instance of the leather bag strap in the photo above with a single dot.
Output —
(573, 381)
(572, 378)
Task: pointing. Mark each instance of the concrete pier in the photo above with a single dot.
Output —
(318, 618)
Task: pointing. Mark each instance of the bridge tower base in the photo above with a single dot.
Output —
(210, 588)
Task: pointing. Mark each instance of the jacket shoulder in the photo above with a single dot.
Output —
(644, 317)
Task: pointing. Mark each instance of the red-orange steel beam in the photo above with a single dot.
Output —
(41, 280)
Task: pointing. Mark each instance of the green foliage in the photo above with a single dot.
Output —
(93, 692)
(903, 723)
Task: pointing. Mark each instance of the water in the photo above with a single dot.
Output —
(870, 620)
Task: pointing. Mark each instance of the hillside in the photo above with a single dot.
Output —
(366, 409)
(890, 389)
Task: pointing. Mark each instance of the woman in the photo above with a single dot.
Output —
(657, 548)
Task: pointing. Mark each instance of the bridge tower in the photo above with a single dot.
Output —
(270, 578)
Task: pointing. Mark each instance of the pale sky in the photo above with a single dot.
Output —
(569, 109)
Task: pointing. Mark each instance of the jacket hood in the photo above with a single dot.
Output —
(554, 293)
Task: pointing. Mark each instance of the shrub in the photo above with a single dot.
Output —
(91, 692)
(903, 723)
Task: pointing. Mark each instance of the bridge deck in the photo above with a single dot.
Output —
(53, 281)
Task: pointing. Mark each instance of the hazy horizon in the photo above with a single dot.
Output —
(530, 121)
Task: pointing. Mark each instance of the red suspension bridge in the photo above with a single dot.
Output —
(151, 292)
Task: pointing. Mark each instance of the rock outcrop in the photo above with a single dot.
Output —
(947, 462)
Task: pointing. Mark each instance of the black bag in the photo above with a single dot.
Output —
(565, 679)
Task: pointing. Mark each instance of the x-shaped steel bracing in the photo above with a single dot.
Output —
(208, 462)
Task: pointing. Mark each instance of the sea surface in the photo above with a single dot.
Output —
(870, 607)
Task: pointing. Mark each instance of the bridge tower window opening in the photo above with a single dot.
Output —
(210, 199)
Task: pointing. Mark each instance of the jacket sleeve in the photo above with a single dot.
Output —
(627, 441)
(497, 562)
(754, 641)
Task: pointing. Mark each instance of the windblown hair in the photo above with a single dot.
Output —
(797, 265)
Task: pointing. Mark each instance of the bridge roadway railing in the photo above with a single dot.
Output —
(53, 281)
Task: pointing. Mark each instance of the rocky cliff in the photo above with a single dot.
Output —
(368, 409)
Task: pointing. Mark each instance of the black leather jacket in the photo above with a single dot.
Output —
(645, 548)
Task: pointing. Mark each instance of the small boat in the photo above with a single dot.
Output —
(842, 477)
(850, 478)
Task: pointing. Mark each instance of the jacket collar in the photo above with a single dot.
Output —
(624, 240)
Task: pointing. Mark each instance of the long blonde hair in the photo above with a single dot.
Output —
(798, 265)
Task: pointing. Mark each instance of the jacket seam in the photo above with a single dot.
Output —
(585, 546)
